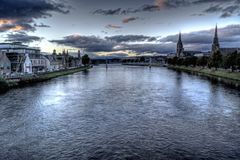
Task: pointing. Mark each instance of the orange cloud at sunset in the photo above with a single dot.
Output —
(17, 28)
(10, 25)
(160, 3)
(6, 21)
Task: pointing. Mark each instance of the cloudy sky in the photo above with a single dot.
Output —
(119, 27)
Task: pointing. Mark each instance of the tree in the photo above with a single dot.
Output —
(215, 60)
(230, 61)
(142, 59)
(180, 61)
(193, 61)
(238, 61)
(85, 60)
(172, 61)
(190, 61)
(202, 61)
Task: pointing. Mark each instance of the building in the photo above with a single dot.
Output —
(64, 60)
(27, 65)
(17, 52)
(53, 62)
(180, 48)
(215, 44)
(182, 53)
(5, 64)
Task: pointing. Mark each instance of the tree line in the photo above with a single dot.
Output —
(216, 60)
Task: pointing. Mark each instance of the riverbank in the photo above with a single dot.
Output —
(227, 77)
(3, 86)
(143, 64)
(6, 85)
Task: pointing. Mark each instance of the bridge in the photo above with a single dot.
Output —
(158, 60)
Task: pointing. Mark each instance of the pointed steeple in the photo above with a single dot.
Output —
(215, 45)
(180, 48)
(216, 31)
(180, 37)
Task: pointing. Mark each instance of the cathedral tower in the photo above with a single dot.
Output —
(180, 48)
(215, 45)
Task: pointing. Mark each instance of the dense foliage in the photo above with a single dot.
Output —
(216, 60)
(85, 60)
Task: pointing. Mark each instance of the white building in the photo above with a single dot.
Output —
(5, 64)
(27, 65)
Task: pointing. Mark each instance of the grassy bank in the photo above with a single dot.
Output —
(227, 77)
(49, 75)
(24, 81)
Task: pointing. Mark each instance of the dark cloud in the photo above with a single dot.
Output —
(225, 7)
(156, 6)
(22, 13)
(201, 40)
(112, 26)
(22, 37)
(148, 8)
(226, 14)
(108, 12)
(121, 11)
(115, 43)
(213, 9)
(129, 19)
(151, 48)
(210, 1)
(131, 38)
(90, 43)
(29, 9)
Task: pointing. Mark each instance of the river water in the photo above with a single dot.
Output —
(123, 112)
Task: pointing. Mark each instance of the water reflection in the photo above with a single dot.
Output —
(121, 113)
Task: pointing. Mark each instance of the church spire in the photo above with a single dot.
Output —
(180, 48)
(215, 45)
(216, 31)
(180, 37)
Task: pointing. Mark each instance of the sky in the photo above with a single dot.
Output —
(120, 28)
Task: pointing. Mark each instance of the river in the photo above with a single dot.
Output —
(122, 112)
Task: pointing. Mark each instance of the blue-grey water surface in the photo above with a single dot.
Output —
(124, 112)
